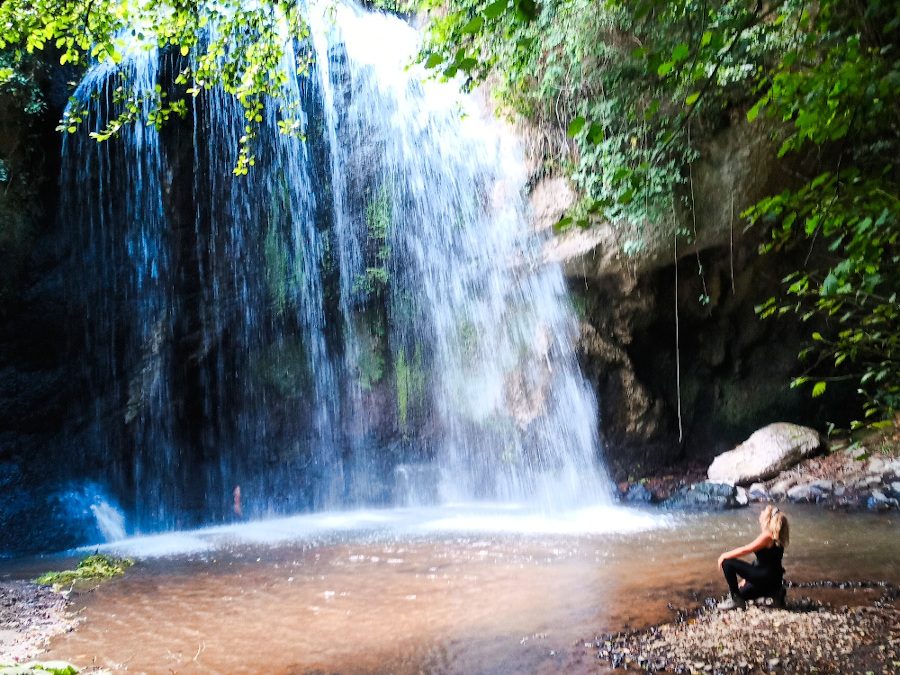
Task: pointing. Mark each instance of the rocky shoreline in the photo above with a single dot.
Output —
(30, 615)
(808, 636)
(862, 475)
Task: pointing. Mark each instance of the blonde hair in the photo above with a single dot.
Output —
(775, 524)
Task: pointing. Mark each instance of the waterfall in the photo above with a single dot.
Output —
(367, 309)
(481, 332)
(111, 193)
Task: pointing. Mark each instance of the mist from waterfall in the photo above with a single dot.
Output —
(363, 319)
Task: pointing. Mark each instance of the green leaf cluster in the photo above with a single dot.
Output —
(92, 568)
(837, 94)
(625, 81)
(379, 212)
(235, 45)
(40, 668)
(410, 380)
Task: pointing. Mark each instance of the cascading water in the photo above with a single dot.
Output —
(111, 191)
(365, 318)
(481, 334)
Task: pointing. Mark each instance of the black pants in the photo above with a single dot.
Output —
(761, 582)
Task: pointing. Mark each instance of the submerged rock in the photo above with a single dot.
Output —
(765, 454)
(894, 489)
(878, 501)
(758, 492)
(707, 495)
(637, 493)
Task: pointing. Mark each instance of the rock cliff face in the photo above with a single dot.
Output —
(38, 390)
(727, 370)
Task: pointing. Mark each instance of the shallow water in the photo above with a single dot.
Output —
(459, 589)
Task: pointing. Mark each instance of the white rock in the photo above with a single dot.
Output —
(781, 487)
(822, 485)
(758, 490)
(765, 454)
(876, 466)
(800, 493)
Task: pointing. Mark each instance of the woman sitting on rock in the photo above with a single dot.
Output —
(762, 578)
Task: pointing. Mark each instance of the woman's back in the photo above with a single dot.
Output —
(770, 558)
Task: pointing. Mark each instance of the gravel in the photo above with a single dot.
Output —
(29, 616)
(806, 637)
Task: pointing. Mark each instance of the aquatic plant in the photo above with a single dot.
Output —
(93, 568)
(39, 667)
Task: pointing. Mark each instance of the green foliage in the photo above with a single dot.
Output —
(281, 277)
(378, 221)
(838, 93)
(410, 383)
(40, 668)
(236, 45)
(624, 80)
(18, 85)
(619, 89)
(284, 366)
(92, 568)
(372, 347)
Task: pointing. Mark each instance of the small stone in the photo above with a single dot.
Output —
(876, 466)
(779, 489)
(823, 485)
(638, 493)
(758, 492)
(878, 501)
(800, 493)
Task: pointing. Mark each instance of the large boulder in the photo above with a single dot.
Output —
(765, 454)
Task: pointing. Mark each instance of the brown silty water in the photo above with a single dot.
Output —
(421, 599)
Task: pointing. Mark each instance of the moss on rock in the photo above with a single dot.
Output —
(93, 568)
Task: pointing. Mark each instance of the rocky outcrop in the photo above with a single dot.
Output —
(672, 396)
(765, 454)
(846, 478)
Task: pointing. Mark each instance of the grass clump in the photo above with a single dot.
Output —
(93, 568)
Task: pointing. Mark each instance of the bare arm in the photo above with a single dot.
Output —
(762, 541)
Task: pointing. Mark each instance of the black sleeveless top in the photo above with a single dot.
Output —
(769, 559)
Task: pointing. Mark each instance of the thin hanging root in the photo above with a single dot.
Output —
(677, 332)
(731, 242)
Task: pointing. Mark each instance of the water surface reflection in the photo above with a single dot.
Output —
(395, 595)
